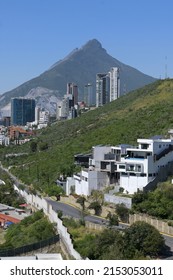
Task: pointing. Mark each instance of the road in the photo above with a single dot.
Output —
(73, 212)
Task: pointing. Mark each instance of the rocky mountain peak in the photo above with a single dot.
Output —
(94, 43)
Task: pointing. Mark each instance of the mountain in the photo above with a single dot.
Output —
(80, 67)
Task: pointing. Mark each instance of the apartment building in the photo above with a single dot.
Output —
(114, 83)
(107, 86)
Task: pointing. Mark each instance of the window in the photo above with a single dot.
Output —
(132, 174)
(144, 146)
(138, 168)
(121, 166)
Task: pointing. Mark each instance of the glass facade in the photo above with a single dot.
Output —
(22, 111)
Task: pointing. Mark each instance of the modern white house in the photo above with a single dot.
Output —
(102, 170)
(125, 166)
(88, 180)
(142, 164)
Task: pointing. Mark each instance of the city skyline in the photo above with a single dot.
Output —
(36, 34)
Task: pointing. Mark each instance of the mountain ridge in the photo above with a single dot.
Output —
(80, 66)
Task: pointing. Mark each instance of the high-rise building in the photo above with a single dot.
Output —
(107, 86)
(114, 83)
(102, 89)
(22, 111)
(89, 97)
(72, 93)
(63, 109)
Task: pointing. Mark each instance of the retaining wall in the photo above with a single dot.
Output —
(39, 203)
(158, 224)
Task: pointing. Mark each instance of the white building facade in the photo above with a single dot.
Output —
(114, 83)
(88, 180)
(125, 166)
(142, 164)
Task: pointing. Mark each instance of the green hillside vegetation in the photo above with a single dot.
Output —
(139, 241)
(30, 230)
(158, 203)
(140, 114)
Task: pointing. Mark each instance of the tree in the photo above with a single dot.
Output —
(43, 146)
(122, 212)
(97, 196)
(33, 146)
(142, 238)
(81, 200)
(108, 242)
(54, 191)
(30, 230)
(96, 206)
(113, 219)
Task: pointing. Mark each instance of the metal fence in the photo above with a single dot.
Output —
(28, 248)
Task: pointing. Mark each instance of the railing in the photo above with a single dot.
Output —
(11, 252)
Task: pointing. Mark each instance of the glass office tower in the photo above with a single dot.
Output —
(22, 111)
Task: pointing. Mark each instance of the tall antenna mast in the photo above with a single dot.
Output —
(166, 68)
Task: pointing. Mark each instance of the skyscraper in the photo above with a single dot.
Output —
(89, 97)
(22, 111)
(107, 86)
(102, 89)
(114, 83)
(72, 94)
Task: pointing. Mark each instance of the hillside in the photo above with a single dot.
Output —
(139, 114)
(81, 67)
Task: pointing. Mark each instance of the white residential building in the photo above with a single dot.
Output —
(101, 171)
(142, 164)
(132, 168)
(88, 180)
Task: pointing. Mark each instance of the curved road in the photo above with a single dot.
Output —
(73, 212)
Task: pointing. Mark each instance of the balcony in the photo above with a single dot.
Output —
(107, 166)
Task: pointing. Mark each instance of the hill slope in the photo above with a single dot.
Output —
(139, 114)
(80, 67)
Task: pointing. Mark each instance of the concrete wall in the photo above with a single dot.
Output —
(127, 201)
(132, 183)
(40, 203)
(90, 180)
(158, 224)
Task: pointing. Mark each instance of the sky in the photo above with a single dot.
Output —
(35, 34)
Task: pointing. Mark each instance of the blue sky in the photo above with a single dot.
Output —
(34, 34)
